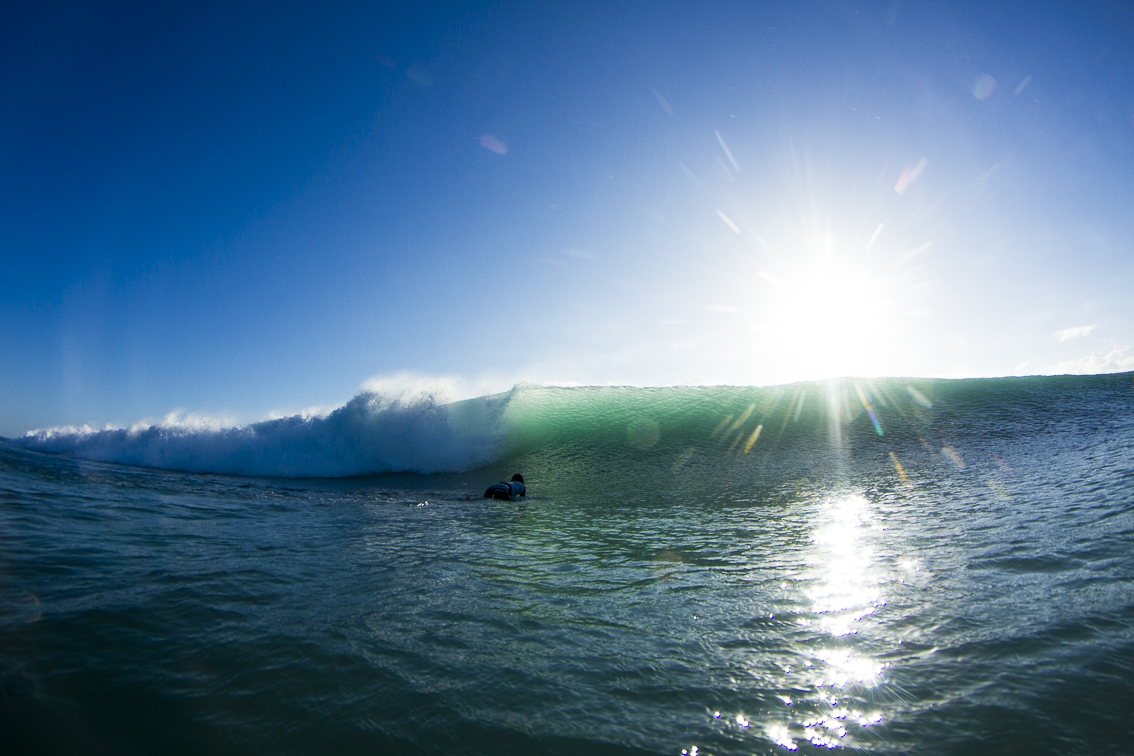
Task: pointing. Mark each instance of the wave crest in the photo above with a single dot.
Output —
(373, 433)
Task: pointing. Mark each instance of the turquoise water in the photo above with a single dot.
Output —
(939, 567)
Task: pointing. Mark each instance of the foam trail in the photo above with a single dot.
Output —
(371, 434)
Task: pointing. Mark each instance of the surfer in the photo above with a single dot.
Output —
(507, 491)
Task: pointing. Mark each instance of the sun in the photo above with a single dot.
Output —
(829, 310)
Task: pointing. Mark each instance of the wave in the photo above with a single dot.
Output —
(370, 434)
(378, 433)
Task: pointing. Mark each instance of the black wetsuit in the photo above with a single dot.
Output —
(505, 491)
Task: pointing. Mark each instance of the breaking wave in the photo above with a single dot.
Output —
(617, 428)
(370, 434)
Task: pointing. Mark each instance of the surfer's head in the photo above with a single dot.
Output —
(517, 478)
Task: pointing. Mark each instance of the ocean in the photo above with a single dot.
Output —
(884, 566)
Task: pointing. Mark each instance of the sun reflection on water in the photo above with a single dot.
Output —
(845, 586)
(846, 593)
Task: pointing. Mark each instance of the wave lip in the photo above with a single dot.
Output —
(369, 435)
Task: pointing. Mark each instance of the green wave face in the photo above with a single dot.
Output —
(724, 442)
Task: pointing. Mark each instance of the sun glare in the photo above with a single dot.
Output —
(827, 311)
(821, 272)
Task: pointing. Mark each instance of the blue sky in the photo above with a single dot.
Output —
(235, 212)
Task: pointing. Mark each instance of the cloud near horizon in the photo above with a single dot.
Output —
(1117, 360)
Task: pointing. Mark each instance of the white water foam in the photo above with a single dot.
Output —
(392, 425)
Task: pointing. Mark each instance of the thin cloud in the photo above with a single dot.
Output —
(1073, 333)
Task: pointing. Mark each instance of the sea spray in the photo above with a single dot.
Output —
(370, 434)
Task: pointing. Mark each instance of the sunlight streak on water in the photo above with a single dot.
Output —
(845, 587)
(847, 593)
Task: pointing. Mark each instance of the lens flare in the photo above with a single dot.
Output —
(752, 439)
(728, 221)
(901, 470)
(909, 175)
(984, 86)
(492, 144)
